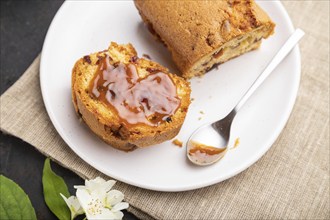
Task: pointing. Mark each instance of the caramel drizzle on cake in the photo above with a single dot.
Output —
(150, 100)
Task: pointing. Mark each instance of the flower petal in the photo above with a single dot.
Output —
(107, 214)
(114, 197)
(108, 185)
(118, 215)
(74, 205)
(120, 206)
(94, 183)
(97, 185)
(85, 199)
(79, 187)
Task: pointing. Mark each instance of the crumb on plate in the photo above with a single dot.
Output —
(177, 142)
(237, 142)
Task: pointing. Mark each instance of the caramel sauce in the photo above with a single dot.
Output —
(205, 149)
(150, 100)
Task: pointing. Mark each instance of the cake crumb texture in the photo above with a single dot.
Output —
(200, 34)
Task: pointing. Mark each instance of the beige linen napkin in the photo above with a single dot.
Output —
(290, 182)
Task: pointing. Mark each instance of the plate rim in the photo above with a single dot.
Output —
(186, 187)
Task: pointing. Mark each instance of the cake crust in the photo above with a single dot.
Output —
(194, 31)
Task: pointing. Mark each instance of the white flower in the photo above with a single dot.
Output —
(97, 185)
(74, 206)
(99, 201)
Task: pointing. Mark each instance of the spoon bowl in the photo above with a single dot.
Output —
(209, 143)
(212, 136)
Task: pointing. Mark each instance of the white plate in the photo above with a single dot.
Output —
(83, 27)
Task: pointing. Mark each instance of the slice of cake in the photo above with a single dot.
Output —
(128, 101)
(200, 34)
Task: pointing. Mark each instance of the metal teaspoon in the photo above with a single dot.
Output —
(203, 155)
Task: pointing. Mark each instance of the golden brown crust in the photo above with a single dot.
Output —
(195, 30)
(105, 123)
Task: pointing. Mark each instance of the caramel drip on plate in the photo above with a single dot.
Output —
(150, 100)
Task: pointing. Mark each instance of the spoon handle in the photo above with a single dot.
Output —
(281, 54)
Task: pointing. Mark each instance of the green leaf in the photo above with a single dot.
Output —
(54, 185)
(14, 203)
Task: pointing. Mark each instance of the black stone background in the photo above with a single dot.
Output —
(23, 27)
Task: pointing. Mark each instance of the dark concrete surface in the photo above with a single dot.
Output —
(23, 27)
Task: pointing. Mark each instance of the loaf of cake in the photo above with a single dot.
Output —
(201, 34)
(129, 102)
